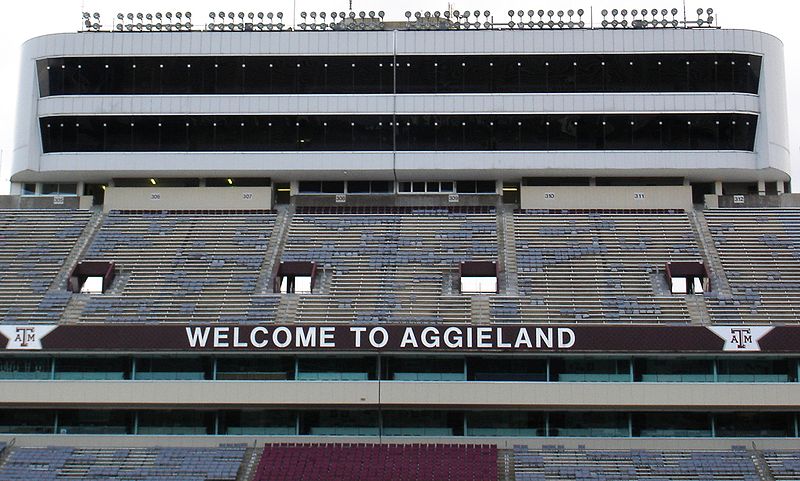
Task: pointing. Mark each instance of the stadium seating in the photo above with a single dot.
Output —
(184, 267)
(783, 465)
(597, 266)
(140, 464)
(551, 463)
(390, 264)
(377, 462)
(760, 253)
(33, 247)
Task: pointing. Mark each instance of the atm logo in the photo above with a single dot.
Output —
(741, 338)
(24, 338)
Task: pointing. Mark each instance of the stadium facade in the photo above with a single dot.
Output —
(505, 236)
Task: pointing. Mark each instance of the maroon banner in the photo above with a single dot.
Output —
(402, 338)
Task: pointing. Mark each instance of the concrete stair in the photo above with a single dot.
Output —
(78, 250)
(761, 465)
(480, 310)
(272, 257)
(507, 250)
(286, 313)
(75, 307)
(505, 465)
(719, 281)
(698, 310)
(249, 470)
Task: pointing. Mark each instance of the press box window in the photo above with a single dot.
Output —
(476, 187)
(317, 187)
(28, 189)
(369, 187)
(59, 189)
(426, 187)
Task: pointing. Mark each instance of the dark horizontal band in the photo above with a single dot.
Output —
(402, 74)
(386, 133)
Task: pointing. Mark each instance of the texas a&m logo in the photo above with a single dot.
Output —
(25, 337)
(741, 338)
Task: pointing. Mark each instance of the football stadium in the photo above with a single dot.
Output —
(526, 245)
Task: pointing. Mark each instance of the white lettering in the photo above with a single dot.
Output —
(484, 337)
(523, 338)
(236, 341)
(358, 331)
(221, 337)
(306, 338)
(453, 338)
(326, 336)
(563, 333)
(430, 337)
(373, 338)
(254, 340)
(541, 337)
(197, 336)
(500, 342)
(409, 338)
(287, 334)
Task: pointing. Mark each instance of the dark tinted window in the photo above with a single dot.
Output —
(413, 133)
(723, 72)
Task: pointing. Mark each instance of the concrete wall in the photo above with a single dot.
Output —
(657, 197)
(769, 161)
(188, 198)
(45, 202)
(749, 201)
(408, 200)
(442, 395)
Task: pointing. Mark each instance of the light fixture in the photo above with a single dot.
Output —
(153, 181)
(230, 181)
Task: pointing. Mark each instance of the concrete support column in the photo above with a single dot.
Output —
(718, 187)
(780, 187)
(762, 187)
(592, 181)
